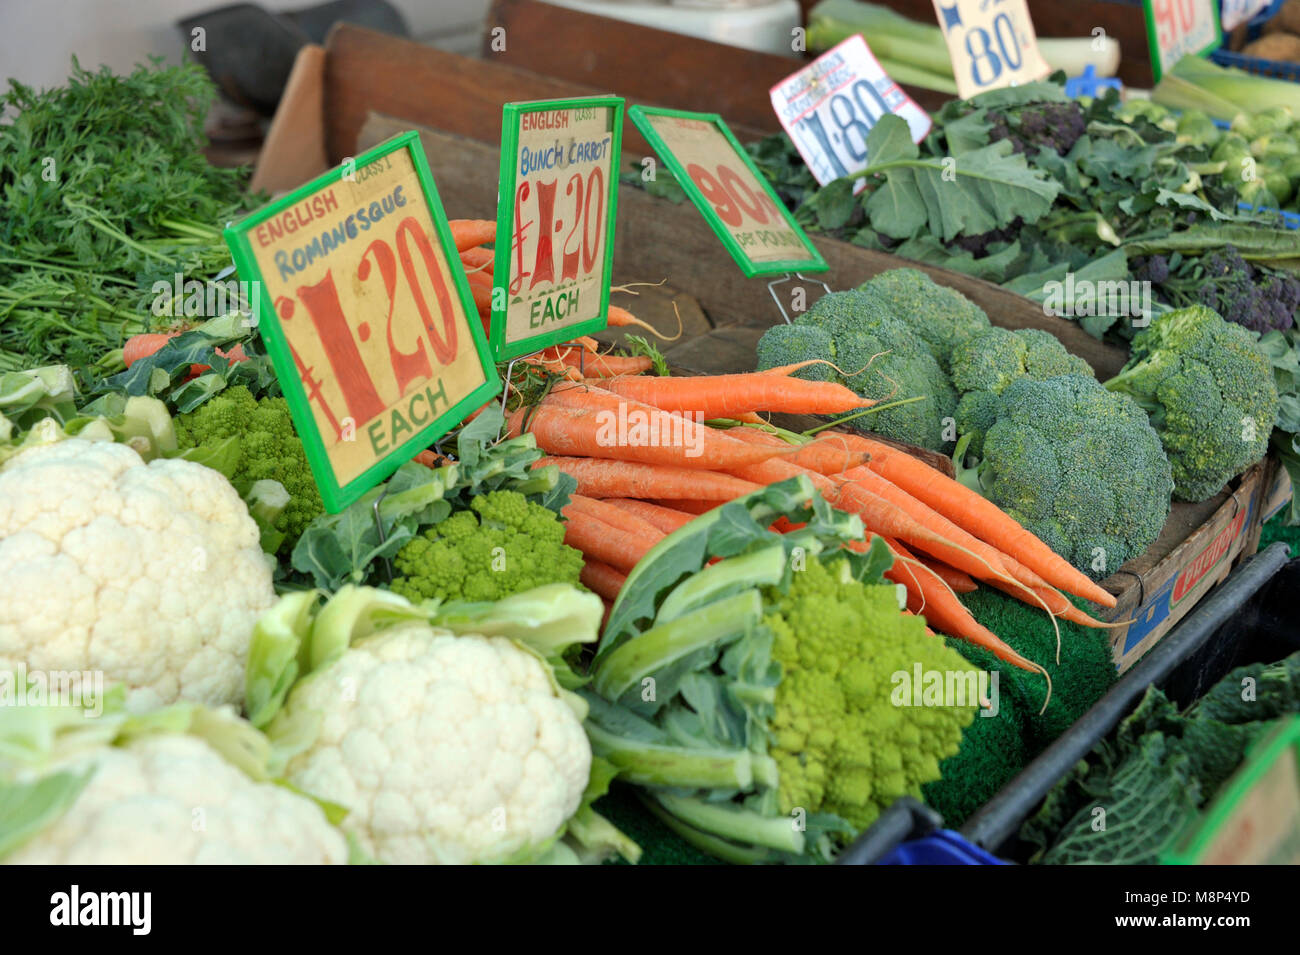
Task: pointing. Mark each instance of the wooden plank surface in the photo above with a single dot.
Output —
(657, 240)
(369, 72)
(644, 63)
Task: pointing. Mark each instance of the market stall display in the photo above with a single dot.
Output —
(732, 591)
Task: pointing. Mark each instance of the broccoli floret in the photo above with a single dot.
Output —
(995, 357)
(1055, 126)
(943, 317)
(790, 344)
(1077, 465)
(267, 446)
(882, 358)
(505, 544)
(840, 743)
(1210, 394)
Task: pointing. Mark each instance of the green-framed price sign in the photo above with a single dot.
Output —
(365, 316)
(729, 191)
(1179, 28)
(556, 204)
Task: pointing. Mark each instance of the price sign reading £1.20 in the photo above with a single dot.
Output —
(830, 105)
(1179, 28)
(991, 43)
(364, 319)
(555, 221)
(737, 202)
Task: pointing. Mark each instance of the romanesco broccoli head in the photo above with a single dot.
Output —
(993, 358)
(269, 449)
(841, 744)
(1061, 457)
(504, 544)
(1210, 393)
(943, 317)
(882, 358)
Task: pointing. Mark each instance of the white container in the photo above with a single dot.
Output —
(763, 25)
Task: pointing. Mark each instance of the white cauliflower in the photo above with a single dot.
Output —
(174, 800)
(152, 574)
(444, 749)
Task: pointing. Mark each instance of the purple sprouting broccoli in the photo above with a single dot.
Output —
(1056, 126)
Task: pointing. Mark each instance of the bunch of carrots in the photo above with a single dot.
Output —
(945, 537)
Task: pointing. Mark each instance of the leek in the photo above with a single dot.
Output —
(1222, 91)
(916, 53)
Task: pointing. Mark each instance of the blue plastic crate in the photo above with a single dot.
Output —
(1254, 64)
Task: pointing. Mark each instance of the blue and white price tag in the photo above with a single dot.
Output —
(991, 43)
(830, 105)
(1233, 13)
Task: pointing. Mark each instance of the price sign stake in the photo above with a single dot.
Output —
(991, 43)
(1179, 28)
(365, 320)
(556, 203)
(725, 186)
(829, 106)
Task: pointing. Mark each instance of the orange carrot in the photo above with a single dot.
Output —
(813, 456)
(600, 578)
(724, 396)
(687, 507)
(954, 578)
(664, 518)
(144, 345)
(616, 517)
(622, 318)
(478, 258)
(482, 297)
(609, 366)
(978, 515)
(602, 541)
(479, 280)
(949, 615)
(681, 442)
(599, 477)
(467, 233)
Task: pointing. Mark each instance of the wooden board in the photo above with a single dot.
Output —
(641, 62)
(656, 239)
(369, 72)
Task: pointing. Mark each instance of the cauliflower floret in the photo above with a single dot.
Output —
(444, 749)
(173, 800)
(152, 574)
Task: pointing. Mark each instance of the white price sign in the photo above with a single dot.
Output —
(991, 43)
(1236, 12)
(1179, 28)
(829, 107)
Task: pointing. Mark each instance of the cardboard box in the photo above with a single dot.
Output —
(659, 240)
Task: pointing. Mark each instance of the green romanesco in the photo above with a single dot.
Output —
(505, 544)
(879, 357)
(943, 317)
(265, 447)
(984, 364)
(1078, 466)
(841, 743)
(1210, 393)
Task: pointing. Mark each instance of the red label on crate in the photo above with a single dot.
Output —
(1207, 559)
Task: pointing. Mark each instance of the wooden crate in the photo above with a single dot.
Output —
(659, 240)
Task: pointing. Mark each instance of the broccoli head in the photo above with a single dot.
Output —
(791, 344)
(879, 357)
(995, 357)
(943, 317)
(1210, 394)
(268, 448)
(505, 544)
(1078, 466)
